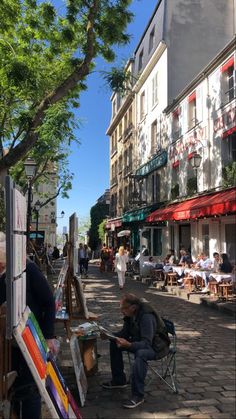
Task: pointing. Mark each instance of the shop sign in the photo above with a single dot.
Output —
(155, 163)
(225, 121)
(189, 143)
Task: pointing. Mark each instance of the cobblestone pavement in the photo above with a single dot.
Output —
(205, 357)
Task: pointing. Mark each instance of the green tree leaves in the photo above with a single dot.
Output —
(46, 56)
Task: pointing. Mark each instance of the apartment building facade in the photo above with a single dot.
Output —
(200, 214)
(164, 63)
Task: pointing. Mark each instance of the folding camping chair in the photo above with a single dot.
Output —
(164, 368)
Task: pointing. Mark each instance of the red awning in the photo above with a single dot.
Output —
(192, 97)
(229, 132)
(227, 65)
(219, 203)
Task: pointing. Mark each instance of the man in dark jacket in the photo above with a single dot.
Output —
(40, 300)
(144, 335)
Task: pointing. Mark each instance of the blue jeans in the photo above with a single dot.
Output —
(139, 367)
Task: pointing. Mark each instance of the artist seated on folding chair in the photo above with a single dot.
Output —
(144, 335)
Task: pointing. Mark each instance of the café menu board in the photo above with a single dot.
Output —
(44, 369)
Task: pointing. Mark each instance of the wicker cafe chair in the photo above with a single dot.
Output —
(164, 368)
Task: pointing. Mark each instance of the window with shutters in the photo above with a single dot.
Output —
(175, 180)
(192, 110)
(228, 152)
(142, 105)
(154, 137)
(155, 90)
(227, 81)
(176, 124)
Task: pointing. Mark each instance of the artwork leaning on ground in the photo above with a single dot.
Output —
(44, 369)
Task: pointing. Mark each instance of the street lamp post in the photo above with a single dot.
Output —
(30, 167)
(195, 163)
(54, 218)
(37, 207)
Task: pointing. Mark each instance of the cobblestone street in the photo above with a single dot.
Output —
(205, 357)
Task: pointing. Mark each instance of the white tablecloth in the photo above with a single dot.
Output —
(179, 269)
(202, 274)
(219, 277)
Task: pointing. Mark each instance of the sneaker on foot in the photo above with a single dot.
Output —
(110, 385)
(134, 402)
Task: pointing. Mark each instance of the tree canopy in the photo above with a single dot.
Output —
(46, 55)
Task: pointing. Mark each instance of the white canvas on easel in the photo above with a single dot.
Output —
(81, 378)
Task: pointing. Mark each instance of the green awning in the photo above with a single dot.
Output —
(138, 214)
(157, 162)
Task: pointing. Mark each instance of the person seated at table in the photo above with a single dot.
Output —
(225, 266)
(204, 262)
(150, 265)
(185, 259)
(150, 262)
(216, 262)
(170, 258)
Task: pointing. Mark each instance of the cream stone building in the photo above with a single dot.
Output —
(169, 115)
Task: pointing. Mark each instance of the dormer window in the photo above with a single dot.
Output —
(140, 61)
(151, 40)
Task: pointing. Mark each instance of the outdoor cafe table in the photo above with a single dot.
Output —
(219, 277)
(178, 269)
(203, 274)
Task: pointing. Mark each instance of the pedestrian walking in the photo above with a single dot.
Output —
(105, 255)
(121, 261)
(81, 258)
(86, 259)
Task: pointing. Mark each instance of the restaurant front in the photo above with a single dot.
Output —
(207, 222)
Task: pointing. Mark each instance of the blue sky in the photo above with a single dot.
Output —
(90, 161)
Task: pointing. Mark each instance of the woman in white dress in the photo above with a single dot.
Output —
(120, 266)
